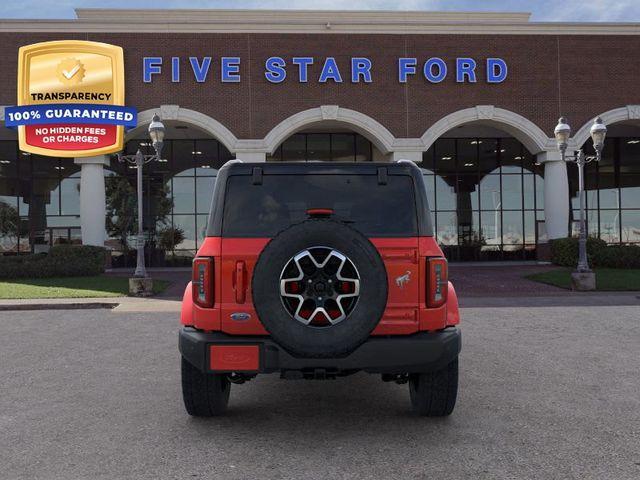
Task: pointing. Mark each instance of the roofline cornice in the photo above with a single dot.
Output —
(307, 21)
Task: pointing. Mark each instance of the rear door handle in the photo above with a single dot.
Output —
(241, 286)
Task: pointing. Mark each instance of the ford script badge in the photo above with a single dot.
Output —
(240, 316)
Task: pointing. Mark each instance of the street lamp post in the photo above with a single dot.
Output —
(156, 133)
(562, 133)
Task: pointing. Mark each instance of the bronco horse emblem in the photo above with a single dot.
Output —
(403, 279)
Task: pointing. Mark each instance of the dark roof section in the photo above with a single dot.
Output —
(256, 170)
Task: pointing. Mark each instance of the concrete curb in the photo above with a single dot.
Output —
(57, 306)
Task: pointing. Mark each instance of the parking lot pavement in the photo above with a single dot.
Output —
(545, 393)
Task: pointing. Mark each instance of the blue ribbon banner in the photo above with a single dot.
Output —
(70, 113)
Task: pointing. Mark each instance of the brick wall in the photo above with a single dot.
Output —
(578, 76)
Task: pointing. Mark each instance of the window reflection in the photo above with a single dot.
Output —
(612, 190)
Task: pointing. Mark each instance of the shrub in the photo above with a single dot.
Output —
(564, 252)
(61, 261)
(618, 256)
(169, 238)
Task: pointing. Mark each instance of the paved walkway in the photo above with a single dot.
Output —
(476, 286)
(501, 280)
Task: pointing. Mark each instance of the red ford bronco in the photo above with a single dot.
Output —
(319, 270)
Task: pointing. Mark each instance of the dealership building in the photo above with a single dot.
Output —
(472, 98)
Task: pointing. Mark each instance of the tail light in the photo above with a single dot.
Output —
(437, 281)
(202, 281)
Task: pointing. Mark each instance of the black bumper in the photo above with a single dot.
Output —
(420, 352)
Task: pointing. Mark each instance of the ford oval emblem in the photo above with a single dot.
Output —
(240, 316)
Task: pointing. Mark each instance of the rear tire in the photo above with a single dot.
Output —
(204, 394)
(433, 394)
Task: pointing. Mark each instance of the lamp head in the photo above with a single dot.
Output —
(156, 133)
(598, 133)
(562, 133)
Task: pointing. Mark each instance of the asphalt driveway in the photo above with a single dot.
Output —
(551, 392)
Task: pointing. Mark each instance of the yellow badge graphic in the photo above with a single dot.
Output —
(71, 99)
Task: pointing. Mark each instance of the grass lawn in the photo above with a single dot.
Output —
(70, 287)
(611, 279)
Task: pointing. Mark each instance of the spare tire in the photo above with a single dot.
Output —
(319, 288)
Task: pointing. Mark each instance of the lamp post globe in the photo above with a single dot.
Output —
(156, 133)
(562, 133)
(598, 133)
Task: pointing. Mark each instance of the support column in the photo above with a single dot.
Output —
(251, 156)
(556, 194)
(93, 208)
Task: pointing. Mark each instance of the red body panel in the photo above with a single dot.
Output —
(405, 261)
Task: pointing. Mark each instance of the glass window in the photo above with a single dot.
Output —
(539, 191)
(488, 156)
(70, 196)
(364, 149)
(530, 227)
(447, 228)
(44, 166)
(8, 159)
(467, 154)
(609, 226)
(630, 190)
(528, 191)
(445, 194)
(427, 159)
(204, 190)
(319, 147)
(9, 223)
(183, 195)
(206, 152)
(631, 226)
(294, 148)
(490, 197)
(429, 184)
(467, 192)
(445, 162)
(182, 158)
(608, 191)
(282, 200)
(491, 224)
(187, 223)
(629, 155)
(511, 192)
(512, 229)
(468, 227)
(343, 147)
(511, 155)
(201, 227)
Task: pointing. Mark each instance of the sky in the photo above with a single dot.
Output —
(542, 10)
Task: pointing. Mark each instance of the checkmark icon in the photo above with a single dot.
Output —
(71, 73)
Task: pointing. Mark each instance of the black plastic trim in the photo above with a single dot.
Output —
(420, 352)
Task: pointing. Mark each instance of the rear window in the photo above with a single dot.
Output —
(281, 200)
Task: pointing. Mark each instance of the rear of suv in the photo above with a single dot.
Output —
(319, 270)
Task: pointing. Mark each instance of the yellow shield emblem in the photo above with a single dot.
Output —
(82, 76)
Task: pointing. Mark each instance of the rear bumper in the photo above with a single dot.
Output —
(420, 352)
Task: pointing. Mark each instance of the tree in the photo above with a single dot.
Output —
(122, 208)
(9, 221)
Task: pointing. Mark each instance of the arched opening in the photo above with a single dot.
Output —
(612, 186)
(328, 142)
(486, 194)
(177, 194)
(328, 133)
